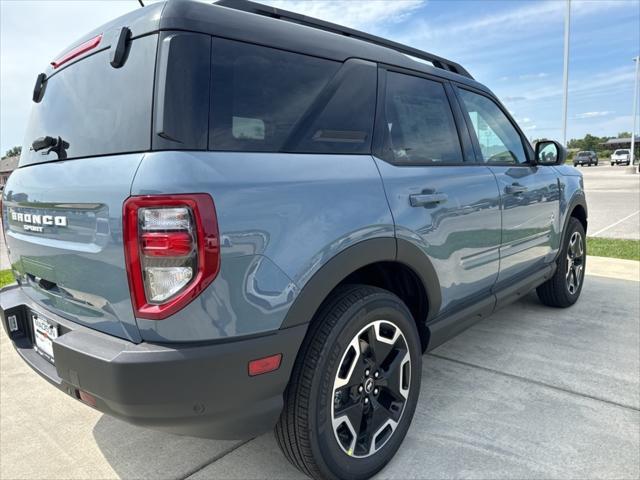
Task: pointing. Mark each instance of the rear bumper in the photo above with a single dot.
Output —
(199, 390)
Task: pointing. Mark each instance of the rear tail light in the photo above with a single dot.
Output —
(172, 251)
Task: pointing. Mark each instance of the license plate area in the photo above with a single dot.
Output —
(44, 333)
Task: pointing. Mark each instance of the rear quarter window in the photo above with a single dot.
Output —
(269, 100)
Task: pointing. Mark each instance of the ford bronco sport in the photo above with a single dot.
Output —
(229, 218)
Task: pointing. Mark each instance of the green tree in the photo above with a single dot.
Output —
(591, 142)
(624, 135)
(13, 152)
(575, 143)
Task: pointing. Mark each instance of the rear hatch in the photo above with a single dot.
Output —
(62, 208)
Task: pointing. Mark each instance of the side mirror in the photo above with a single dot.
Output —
(549, 152)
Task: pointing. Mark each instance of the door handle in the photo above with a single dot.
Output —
(424, 199)
(515, 188)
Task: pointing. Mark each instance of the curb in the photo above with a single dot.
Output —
(613, 268)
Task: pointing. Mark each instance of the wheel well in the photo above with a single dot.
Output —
(403, 282)
(580, 213)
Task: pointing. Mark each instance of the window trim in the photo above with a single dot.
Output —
(526, 146)
(377, 147)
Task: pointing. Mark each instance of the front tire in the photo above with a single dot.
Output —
(354, 387)
(563, 289)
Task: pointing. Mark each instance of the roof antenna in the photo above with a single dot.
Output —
(140, 2)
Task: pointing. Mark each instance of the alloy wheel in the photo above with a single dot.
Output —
(371, 389)
(575, 262)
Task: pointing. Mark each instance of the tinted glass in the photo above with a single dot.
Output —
(341, 118)
(419, 124)
(260, 93)
(96, 108)
(499, 141)
(183, 74)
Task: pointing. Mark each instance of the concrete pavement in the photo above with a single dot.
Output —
(530, 392)
(613, 199)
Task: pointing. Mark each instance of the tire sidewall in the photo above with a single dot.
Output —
(381, 306)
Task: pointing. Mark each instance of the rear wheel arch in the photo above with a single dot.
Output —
(393, 264)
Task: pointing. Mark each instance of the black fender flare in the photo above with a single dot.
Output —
(578, 199)
(363, 253)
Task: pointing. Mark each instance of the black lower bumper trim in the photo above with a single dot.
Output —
(198, 390)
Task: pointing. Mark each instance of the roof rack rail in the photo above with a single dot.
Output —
(273, 12)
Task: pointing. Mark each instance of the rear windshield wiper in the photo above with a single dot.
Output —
(57, 145)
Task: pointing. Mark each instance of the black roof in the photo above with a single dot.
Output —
(255, 23)
(285, 15)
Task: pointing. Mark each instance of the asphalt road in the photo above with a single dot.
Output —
(613, 199)
(530, 392)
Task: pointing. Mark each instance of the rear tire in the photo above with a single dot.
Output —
(563, 289)
(362, 344)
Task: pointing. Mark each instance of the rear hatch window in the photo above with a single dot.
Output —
(95, 108)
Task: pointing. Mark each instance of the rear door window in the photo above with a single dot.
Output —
(259, 94)
(96, 108)
(419, 126)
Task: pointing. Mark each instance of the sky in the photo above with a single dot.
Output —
(515, 47)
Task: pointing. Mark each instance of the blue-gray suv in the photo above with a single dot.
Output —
(229, 218)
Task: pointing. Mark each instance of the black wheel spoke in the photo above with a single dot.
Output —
(393, 375)
(376, 418)
(377, 351)
(355, 413)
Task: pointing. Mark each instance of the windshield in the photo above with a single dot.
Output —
(621, 152)
(95, 108)
(584, 154)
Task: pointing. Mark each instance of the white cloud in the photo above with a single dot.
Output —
(361, 14)
(610, 126)
(612, 79)
(593, 114)
(511, 99)
(528, 76)
(532, 16)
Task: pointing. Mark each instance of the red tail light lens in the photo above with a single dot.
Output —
(166, 244)
(172, 251)
(77, 51)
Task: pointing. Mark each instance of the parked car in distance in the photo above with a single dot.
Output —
(621, 157)
(587, 158)
(266, 223)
